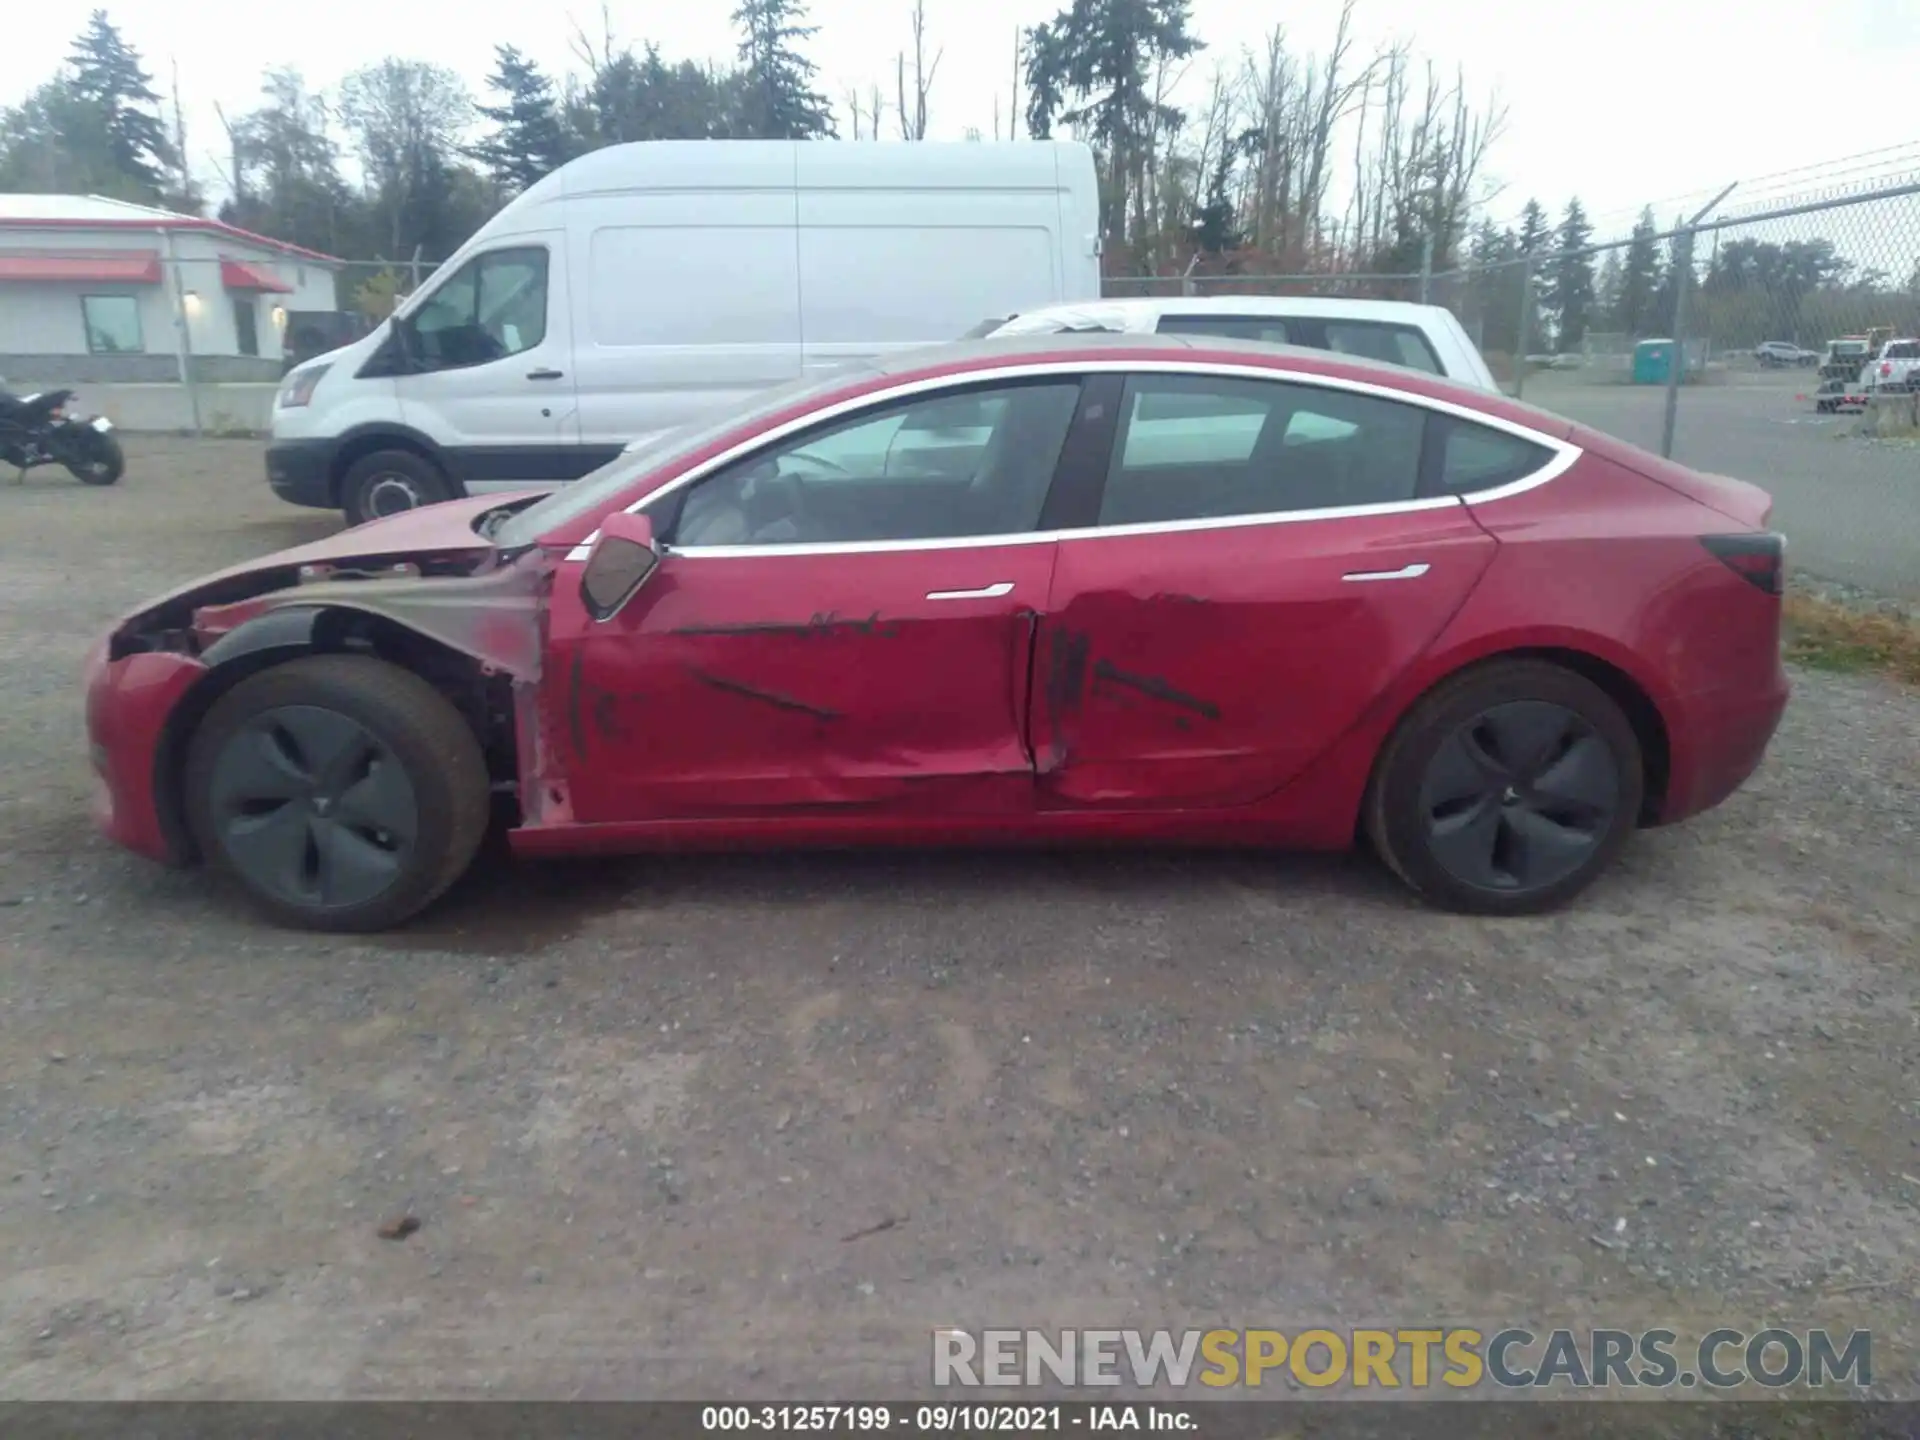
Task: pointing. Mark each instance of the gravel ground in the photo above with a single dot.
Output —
(655, 1117)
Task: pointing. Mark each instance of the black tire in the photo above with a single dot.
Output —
(343, 865)
(1440, 742)
(100, 460)
(390, 482)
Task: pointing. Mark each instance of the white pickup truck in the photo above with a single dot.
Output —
(1896, 367)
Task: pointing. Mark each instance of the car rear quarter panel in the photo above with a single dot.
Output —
(1608, 565)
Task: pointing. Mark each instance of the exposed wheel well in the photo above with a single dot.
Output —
(486, 701)
(1649, 728)
(353, 451)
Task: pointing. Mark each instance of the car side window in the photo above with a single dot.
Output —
(493, 307)
(1478, 457)
(1205, 448)
(975, 462)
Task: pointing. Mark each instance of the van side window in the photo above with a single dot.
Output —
(494, 306)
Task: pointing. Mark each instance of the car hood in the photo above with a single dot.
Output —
(441, 535)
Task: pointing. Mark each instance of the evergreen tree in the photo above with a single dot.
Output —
(1092, 66)
(1607, 287)
(286, 177)
(108, 78)
(1534, 230)
(1571, 289)
(1496, 285)
(1641, 281)
(643, 97)
(528, 140)
(777, 98)
(1216, 224)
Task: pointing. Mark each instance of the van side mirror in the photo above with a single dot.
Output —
(619, 564)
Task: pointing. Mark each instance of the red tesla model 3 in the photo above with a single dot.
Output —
(1071, 588)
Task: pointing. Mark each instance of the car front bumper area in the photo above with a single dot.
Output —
(128, 702)
(301, 472)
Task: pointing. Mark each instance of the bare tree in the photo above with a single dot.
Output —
(1418, 167)
(913, 104)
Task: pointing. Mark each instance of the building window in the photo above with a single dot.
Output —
(113, 324)
(246, 330)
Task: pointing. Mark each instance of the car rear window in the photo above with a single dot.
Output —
(1905, 350)
(1391, 343)
(1478, 457)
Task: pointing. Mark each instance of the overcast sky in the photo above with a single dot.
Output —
(1622, 102)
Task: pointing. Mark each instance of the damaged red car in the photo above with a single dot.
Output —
(1061, 589)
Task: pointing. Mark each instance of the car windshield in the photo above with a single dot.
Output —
(655, 452)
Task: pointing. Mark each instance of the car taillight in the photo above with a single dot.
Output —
(1885, 368)
(1757, 557)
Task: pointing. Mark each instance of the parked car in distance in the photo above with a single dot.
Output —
(643, 285)
(1423, 337)
(1773, 354)
(1895, 368)
(1170, 588)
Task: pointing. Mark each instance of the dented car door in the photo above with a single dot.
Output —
(1260, 571)
(757, 684)
(836, 624)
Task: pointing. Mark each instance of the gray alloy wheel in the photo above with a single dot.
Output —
(1507, 789)
(1519, 797)
(313, 810)
(339, 791)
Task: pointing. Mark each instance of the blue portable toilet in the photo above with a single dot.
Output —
(1653, 361)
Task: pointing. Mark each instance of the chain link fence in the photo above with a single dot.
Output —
(1778, 342)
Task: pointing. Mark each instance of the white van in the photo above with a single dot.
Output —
(645, 285)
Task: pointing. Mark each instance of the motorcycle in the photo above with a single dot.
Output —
(37, 430)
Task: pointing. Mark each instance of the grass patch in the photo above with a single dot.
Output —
(1826, 636)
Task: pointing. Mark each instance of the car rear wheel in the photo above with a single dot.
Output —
(340, 792)
(1507, 790)
(390, 482)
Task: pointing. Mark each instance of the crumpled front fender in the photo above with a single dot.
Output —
(493, 617)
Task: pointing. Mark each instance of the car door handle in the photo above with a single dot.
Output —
(544, 374)
(985, 592)
(1405, 572)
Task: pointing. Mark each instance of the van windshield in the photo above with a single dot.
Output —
(656, 452)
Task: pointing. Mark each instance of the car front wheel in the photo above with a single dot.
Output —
(1507, 790)
(342, 793)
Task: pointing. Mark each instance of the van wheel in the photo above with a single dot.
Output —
(389, 482)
